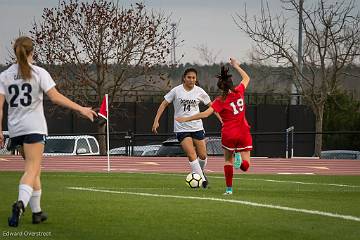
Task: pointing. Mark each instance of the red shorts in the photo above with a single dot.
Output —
(236, 140)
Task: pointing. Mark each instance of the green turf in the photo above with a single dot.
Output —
(75, 214)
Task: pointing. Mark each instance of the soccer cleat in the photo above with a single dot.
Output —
(238, 160)
(17, 210)
(205, 184)
(39, 217)
(206, 178)
(227, 192)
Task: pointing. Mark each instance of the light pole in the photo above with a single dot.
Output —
(295, 99)
(173, 56)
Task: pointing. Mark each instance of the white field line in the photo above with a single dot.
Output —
(210, 177)
(269, 180)
(254, 204)
(302, 183)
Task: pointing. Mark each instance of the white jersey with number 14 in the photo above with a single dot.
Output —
(186, 103)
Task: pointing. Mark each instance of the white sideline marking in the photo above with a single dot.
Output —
(296, 182)
(321, 168)
(313, 212)
(265, 180)
(148, 163)
(235, 178)
(288, 173)
(3, 159)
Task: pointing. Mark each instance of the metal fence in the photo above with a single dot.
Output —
(287, 143)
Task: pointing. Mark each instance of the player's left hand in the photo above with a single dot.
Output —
(88, 113)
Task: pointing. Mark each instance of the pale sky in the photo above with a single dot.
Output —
(202, 22)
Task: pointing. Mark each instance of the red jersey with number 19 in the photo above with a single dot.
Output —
(235, 133)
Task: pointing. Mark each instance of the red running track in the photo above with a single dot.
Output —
(179, 164)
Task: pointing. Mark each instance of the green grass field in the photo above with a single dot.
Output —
(161, 206)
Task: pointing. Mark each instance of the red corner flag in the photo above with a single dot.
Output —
(104, 107)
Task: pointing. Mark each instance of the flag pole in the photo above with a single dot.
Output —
(107, 132)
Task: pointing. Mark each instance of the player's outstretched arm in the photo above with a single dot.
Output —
(217, 116)
(160, 111)
(245, 77)
(197, 116)
(61, 100)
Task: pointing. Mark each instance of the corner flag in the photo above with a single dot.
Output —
(104, 112)
(104, 108)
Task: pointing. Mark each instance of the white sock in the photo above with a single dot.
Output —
(195, 167)
(25, 192)
(202, 163)
(35, 201)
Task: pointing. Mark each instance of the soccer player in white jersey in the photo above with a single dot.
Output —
(186, 99)
(22, 86)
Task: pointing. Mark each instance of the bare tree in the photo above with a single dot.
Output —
(207, 55)
(331, 42)
(97, 47)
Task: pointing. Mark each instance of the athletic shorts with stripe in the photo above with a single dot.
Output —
(236, 141)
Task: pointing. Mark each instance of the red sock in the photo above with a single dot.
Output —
(228, 172)
(245, 165)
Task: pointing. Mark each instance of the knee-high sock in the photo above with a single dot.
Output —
(25, 192)
(35, 201)
(245, 165)
(202, 163)
(228, 172)
(195, 167)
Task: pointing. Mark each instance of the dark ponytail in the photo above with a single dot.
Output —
(225, 82)
(23, 47)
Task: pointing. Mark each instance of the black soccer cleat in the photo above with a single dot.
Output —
(205, 184)
(39, 217)
(17, 210)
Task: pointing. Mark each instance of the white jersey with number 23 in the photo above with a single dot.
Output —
(25, 99)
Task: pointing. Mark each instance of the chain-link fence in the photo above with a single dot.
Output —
(265, 144)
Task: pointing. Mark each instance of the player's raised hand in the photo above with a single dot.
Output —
(233, 62)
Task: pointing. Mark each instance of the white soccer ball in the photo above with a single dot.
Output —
(193, 180)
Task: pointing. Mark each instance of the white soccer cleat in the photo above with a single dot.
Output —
(228, 193)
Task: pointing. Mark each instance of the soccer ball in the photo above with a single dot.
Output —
(193, 180)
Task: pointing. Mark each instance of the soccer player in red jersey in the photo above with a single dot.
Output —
(235, 133)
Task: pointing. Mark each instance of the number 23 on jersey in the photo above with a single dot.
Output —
(23, 93)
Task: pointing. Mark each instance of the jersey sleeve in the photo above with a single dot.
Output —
(204, 97)
(217, 105)
(46, 81)
(170, 96)
(240, 88)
